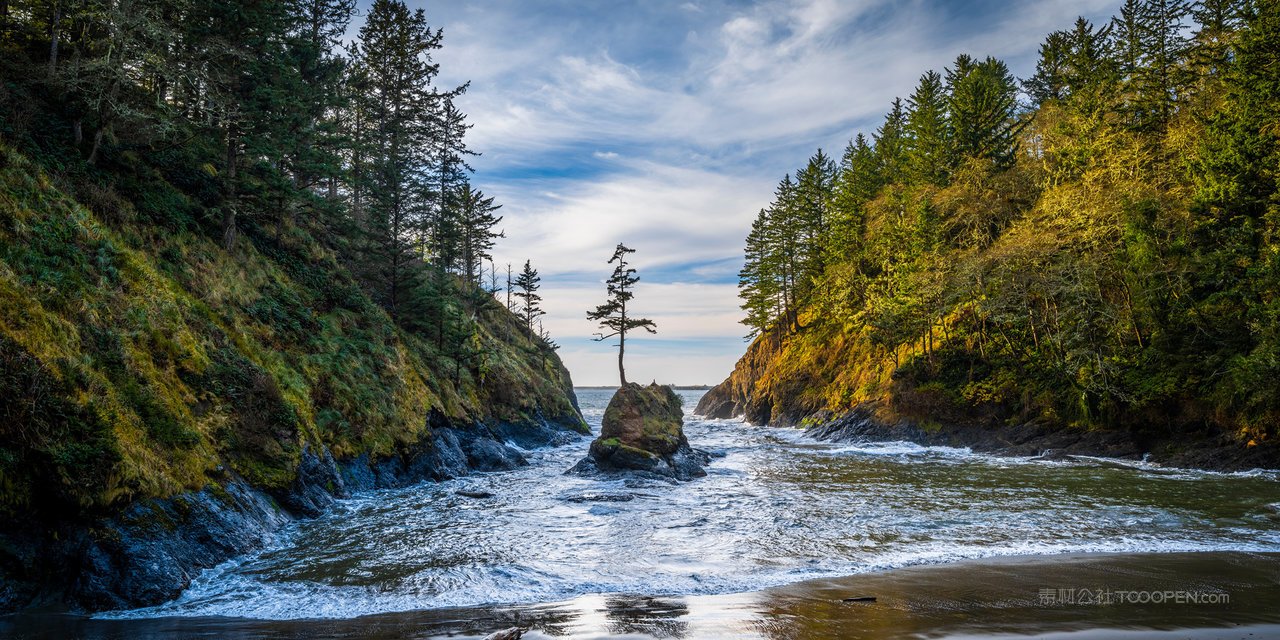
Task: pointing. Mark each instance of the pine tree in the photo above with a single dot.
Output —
(612, 315)
(859, 181)
(393, 60)
(1235, 317)
(1051, 79)
(983, 106)
(442, 228)
(785, 259)
(1151, 49)
(814, 196)
(1217, 24)
(314, 135)
(891, 142)
(478, 235)
(929, 145)
(758, 284)
(1091, 72)
(1163, 77)
(233, 56)
(527, 285)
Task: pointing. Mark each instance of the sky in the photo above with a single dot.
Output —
(666, 125)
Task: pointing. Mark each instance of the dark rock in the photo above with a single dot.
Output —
(442, 459)
(155, 548)
(358, 474)
(389, 472)
(602, 497)
(484, 454)
(1190, 449)
(717, 403)
(684, 464)
(738, 395)
(541, 432)
(643, 433)
(688, 462)
(317, 485)
(469, 493)
(149, 552)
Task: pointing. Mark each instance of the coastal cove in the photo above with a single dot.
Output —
(767, 545)
(761, 319)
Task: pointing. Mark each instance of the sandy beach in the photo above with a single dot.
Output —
(1068, 597)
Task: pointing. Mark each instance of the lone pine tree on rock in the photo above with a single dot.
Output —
(612, 315)
(643, 428)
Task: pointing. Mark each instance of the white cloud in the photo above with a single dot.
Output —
(670, 215)
(681, 117)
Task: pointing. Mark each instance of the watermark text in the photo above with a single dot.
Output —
(1085, 597)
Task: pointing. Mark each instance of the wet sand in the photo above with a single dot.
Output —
(1130, 597)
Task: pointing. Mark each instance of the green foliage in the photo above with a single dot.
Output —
(1108, 259)
(51, 449)
(223, 239)
(612, 315)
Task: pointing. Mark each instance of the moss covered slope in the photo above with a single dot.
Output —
(141, 360)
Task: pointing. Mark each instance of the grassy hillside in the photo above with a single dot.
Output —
(138, 358)
(1087, 249)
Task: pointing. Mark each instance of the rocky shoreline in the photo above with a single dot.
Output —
(153, 549)
(1207, 449)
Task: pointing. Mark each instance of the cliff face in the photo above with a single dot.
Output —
(741, 394)
(828, 380)
(787, 380)
(155, 387)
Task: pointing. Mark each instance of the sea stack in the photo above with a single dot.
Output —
(643, 433)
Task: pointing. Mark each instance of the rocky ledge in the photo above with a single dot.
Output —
(1207, 448)
(643, 434)
(151, 551)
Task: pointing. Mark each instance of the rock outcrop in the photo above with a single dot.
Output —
(151, 551)
(168, 402)
(643, 433)
(757, 392)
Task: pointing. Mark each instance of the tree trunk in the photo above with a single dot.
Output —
(228, 226)
(1133, 315)
(933, 365)
(229, 204)
(53, 37)
(97, 144)
(622, 348)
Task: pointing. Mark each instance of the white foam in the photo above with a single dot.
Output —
(751, 524)
(907, 450)
(225, 592)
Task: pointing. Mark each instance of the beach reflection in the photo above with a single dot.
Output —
(1001, 596)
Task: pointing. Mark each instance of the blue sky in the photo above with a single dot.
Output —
(666, 125)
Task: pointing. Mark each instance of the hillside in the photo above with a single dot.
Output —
(1087, 260)
(233, 290)
(145, 362)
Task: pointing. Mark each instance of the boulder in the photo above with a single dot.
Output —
(643, 432)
